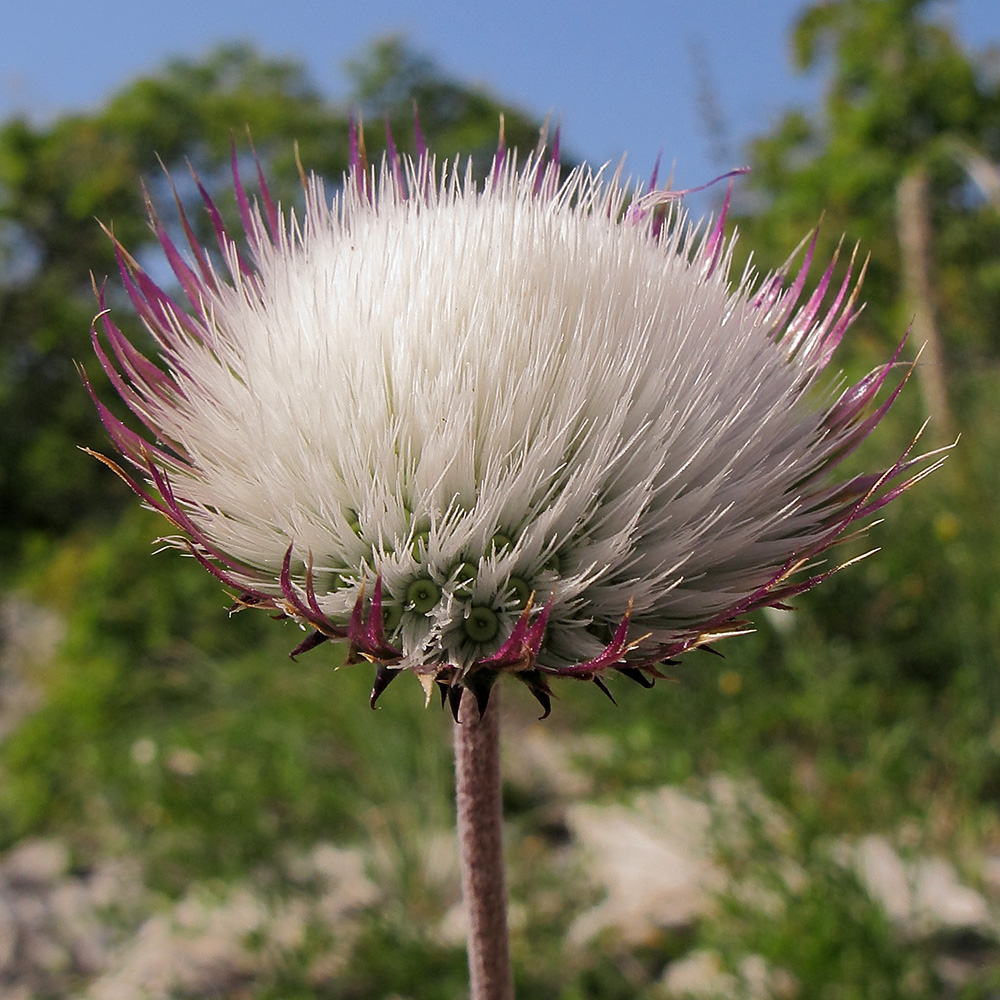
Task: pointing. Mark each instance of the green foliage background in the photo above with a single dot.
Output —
(170, 729)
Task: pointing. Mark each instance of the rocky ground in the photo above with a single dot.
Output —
(101, 935)
(659, 862)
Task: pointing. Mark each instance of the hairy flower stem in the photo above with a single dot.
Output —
(480, 813)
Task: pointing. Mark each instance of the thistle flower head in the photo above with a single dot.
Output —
(525, 426)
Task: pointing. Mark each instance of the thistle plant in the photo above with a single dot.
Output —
(527, 426)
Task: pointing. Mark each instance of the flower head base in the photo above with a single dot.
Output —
(527, 427)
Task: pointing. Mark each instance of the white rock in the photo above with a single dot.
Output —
(698, 974)
(116, 883)
(34, 864)
(77, 925)
(653, 861)
(30, 912)
(763, 982)
(207, 945)
(991, 874)
(346, 885)
(943, 901)
(547, 762)
(885, 876)
(8, 936)
(198, 948)
(920, 896)
(44, 956)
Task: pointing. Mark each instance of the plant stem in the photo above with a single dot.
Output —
(480, 814)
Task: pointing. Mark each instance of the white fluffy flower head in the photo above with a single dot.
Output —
(528, 426)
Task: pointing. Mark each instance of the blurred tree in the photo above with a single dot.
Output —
(391, 80)
(57, 179)
(901, 159)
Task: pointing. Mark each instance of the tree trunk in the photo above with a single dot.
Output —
(914, 232)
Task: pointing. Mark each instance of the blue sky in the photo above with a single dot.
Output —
(618, 83)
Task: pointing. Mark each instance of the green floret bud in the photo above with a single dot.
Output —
(464, 576)
(522, 591)
(482, 624)
(392, 615)
(422, 595)
(420, 541)
(500, 543)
